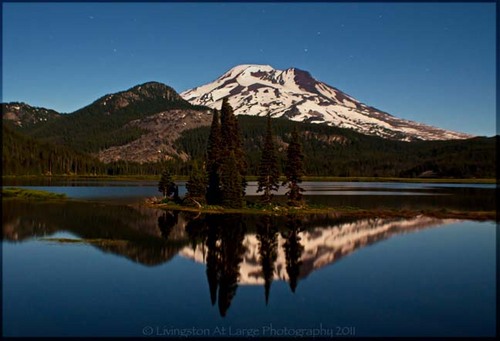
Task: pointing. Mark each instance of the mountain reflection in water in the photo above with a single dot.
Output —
(237, 249)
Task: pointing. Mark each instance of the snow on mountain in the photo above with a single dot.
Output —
(322, 246)
(295, 94)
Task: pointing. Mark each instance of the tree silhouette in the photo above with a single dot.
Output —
(214, 160)
(231, 183)
(232, 251)
(166, 222)
(167, 186)
(224, 254)
(196, 229)
(196, 186)
(268, 180)
(267, 234)
(213, 258)
(294, 170)
(232, 144)
(293, 250)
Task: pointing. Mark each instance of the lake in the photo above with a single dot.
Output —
(103, 265)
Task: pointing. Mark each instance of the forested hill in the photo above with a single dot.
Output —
(329, 151)
(102, 124)
(24, 155)
(332, 151)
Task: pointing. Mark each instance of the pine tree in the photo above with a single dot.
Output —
(268, 169)
(294, 170)
(214, 159)
(231, 140)
(231, 183)
(196, 186)
(167, 186)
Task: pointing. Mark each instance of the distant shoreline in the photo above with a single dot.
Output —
(254, 178)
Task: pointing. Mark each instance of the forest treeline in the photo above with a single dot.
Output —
(24, 155)
(332, 151)
(328, 151)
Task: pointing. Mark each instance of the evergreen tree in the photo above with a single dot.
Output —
(197, 185)
(294, 170)
(214, 160)
(232, 142)
(231, 183)
(167, 186)
(268, 169)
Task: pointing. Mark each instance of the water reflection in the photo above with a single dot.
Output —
(166, 223)
(267, 235)
(293, 250)
(137, 233)
(235, 249)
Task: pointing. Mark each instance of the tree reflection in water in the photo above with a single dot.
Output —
(150, 237)
(223, 238)
(166, 223)
(267, 235)
(293, 250)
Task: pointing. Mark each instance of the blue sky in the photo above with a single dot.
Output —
(433, 62)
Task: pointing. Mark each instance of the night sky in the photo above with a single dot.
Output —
(433, 63)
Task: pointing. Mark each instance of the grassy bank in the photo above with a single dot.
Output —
(343, 211)
(30, 194)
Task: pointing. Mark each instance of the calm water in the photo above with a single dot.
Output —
(147, 272)
(367, 195)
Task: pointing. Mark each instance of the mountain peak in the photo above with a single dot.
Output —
(146, 92)
(243, 67)
(254, 89)
(152, 86)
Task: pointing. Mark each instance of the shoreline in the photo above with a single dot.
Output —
(338, 211)
(254, 178)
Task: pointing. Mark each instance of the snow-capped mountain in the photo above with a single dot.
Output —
(295, 94)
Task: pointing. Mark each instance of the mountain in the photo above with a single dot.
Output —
(115, 120)
(128, 132)
(295, 94)
(24, 115)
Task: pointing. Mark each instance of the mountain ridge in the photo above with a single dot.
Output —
(105, 122)
(151, 123)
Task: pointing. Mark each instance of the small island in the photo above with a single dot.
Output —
(218, 186)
